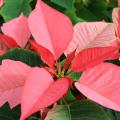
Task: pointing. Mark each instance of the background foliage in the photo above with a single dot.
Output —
(78, 11)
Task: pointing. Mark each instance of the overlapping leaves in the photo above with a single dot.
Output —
(13, 8)
(50, 91)
(81, 110)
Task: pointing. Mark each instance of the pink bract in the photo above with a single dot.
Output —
(44, 53)
(86, 48)
(92, 34)
(93, 56)
(1, 3)
(100, 84)
(12, 77)
(7, 41)
(18, 30)
(118, 2)
(2, 52)
(115, 19)
(41, 91)
(50, 28)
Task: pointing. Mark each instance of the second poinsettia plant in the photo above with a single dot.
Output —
(64, 50)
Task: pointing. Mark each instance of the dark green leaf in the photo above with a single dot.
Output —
(69, 97)
(116, 62)
(7, 114)
(94, 10)
(55, 6)
(13, 8)
(83, 12)
(26, 56)
(114, 115)
(72, 15)
(80, 110)
(99, 8)
(64, 3)
(33, 118)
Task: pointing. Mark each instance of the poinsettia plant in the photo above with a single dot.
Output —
(55, 67)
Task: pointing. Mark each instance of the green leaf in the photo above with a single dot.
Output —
(117, 114)
(99, 9)
(86, 14)
(116, 62)
(55, 6)
(83, 12)
(114, 115)
(64, 3)
(7, 114)
(80, 110)
(76, 76)
(69, 97)
(94, 10)
(85, 2)
(25, 56)
(33, 118)
(13, 8)
(72, 15)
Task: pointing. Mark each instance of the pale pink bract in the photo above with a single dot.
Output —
(18, 30)
(12, 78)
(1, 3)
(102, 85)
(92, 34)
(50, 28)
